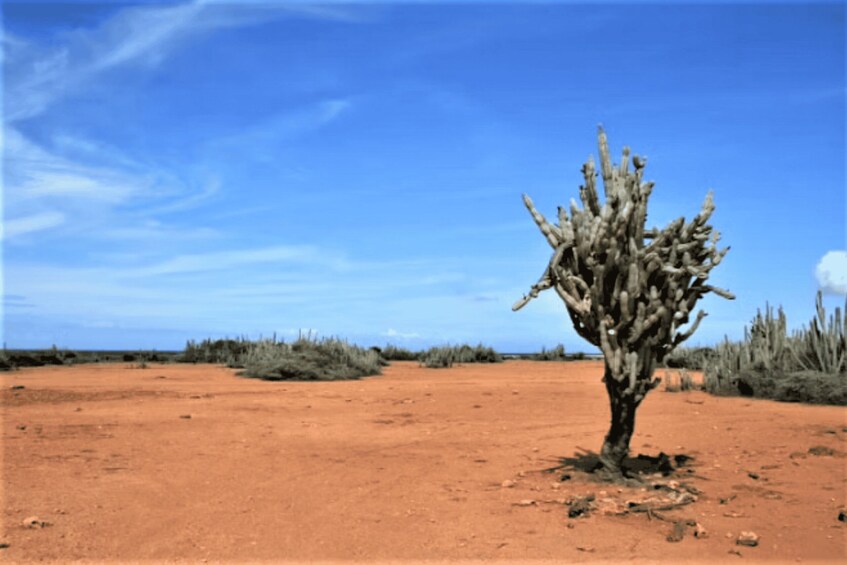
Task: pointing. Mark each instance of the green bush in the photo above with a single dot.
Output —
(811, 387)
(394, 353)
(691, 358)
(309, 359)
(216, 351)
(555, 354)
(445, 356)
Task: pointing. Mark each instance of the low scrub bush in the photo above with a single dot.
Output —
(309, 359)
(215, 351)
(394, 353)
(811, 387)
(445, 356)
(691, 358)
(555, 354)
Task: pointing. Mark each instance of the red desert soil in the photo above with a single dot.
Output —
(191, 463)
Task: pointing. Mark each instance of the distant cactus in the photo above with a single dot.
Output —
(627, 289)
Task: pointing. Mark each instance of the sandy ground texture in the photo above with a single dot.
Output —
(191, 463)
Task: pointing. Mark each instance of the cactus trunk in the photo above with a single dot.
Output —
(616, 444)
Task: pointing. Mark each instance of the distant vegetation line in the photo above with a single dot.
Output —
(809, 365)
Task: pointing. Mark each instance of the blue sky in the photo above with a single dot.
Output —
(184, 170)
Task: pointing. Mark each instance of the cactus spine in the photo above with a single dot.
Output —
(627, 290)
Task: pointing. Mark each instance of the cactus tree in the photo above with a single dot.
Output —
(628, 290)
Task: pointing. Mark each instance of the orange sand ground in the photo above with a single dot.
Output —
(407, 466)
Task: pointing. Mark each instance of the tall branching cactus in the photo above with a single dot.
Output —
(628, 290)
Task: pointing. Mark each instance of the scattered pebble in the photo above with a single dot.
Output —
(21, 427)
(754, 476)
(584, 548)
(17, 387)
(508, 483)
(4, 545)
(700, 532)
(185, 416)
(749, 539)
(525, 502)
(821, 450)
(842, 516)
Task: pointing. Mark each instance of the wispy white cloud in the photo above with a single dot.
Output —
(831, 272)
(228, 260)
(261, 140)
(39, 74)
(60, 188)
(28, 224)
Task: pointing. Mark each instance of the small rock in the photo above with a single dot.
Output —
(185, 416)
(565, 477)
(820, 450)
(842, 516)
(700, 532)
(585, 548)
(34, 522)
(525, 502)
(4, 545)
(580, 505)
(749, 539)
(754, 476)
(17, 387)
(508, 484)
(21, 427)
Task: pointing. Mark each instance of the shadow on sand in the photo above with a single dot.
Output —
(637, 468)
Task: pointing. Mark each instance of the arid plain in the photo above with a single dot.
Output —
(186, 463)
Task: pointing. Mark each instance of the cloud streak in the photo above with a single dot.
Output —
(38, 76)
(28, 224)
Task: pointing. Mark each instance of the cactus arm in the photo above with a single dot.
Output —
(681, 337)
(550, 232)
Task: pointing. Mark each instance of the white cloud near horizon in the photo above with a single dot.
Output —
(831, 272)
(391, 332)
